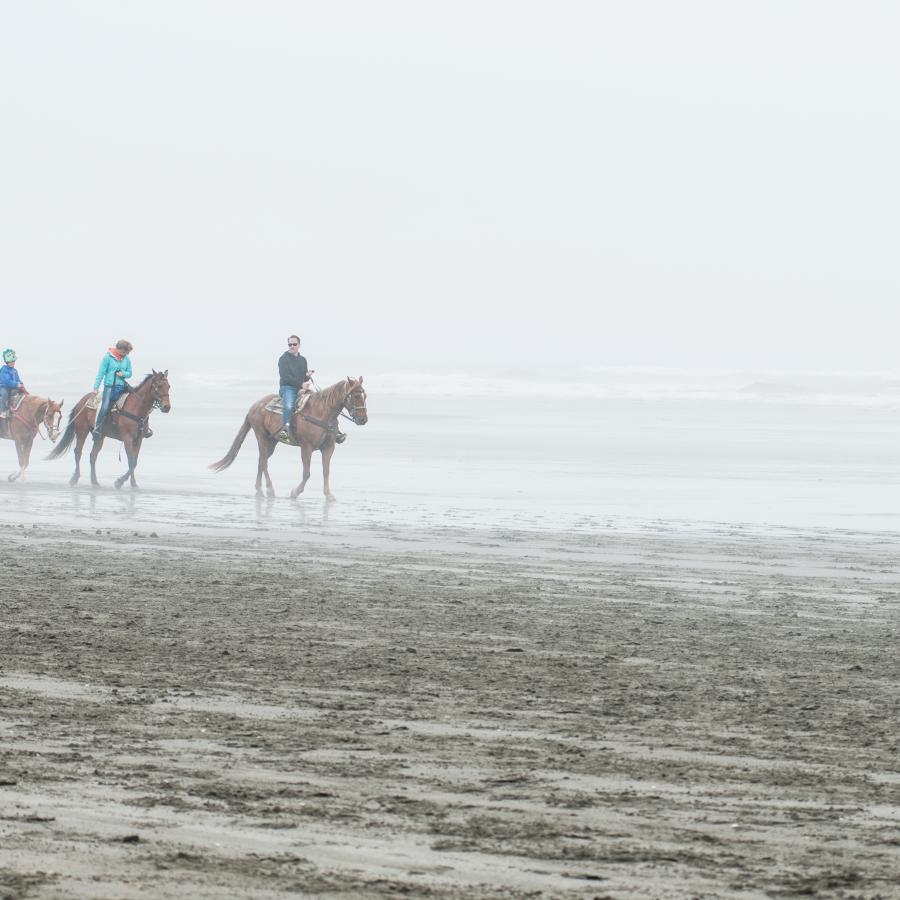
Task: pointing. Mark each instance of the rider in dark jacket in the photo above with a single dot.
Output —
(293, 373)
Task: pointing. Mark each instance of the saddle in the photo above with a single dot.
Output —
(276, 406)
(15, 401)
(94, 401)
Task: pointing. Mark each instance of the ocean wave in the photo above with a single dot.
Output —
(629, 383)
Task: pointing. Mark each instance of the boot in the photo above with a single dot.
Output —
(148, 431)
(339, 437)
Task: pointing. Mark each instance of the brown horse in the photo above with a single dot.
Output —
(126, 425)
(24, 422)
(314, 427)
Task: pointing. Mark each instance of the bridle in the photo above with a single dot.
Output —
(52, 421)
(158, 379)
(354, 408)
(46, 420)
(331, 428)
(159, 397)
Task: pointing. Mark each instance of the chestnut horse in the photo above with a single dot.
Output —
(24, 422)
(314, 428)
(126, 425)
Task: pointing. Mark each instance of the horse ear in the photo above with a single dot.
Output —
(153, 371)
(166, 373)
(61, 402)
(360, 379)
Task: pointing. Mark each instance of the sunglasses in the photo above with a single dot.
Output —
(293, 344)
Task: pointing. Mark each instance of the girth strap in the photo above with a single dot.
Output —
(328, 426)
(133, 417)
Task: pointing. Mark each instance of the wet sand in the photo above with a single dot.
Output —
(672, 714)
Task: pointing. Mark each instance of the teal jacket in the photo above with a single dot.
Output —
(108, 368)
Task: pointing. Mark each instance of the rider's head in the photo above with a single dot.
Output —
(124, 346)
(293, 344)
(9, 356)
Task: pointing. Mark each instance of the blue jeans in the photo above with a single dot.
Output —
(4, 398)
(111, 393)
(288, 401)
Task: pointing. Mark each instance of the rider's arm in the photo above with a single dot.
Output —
(125, 367)
(101, 372)
(283, 373)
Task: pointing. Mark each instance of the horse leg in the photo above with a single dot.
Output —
(23, 451)
(306, 456)
(80, 438)
(137, 452)
(327, 453)
(270, 491)
(95, 452)
(266, 449)
(25, 455)
(131, 456)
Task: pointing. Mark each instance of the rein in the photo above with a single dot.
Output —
(341, 412)
(141, 420)
(34, 427)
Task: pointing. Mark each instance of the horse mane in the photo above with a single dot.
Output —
(330, 395)
(145, 379)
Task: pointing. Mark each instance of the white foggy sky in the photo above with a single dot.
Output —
(455, 186)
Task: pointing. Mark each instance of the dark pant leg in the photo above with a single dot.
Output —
(4, 398)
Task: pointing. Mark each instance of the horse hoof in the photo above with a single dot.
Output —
(294, 494)
(270, 493)
(73, 481)
(12, 477)
(330, 498)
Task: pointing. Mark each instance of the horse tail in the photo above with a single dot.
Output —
(232, 453)
(67, 437)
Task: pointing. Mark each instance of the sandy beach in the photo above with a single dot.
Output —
(671, 713)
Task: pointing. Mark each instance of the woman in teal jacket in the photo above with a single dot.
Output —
(115, 368)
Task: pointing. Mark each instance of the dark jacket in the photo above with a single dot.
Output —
(292, 370)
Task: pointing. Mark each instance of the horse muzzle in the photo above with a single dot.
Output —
(165, 408)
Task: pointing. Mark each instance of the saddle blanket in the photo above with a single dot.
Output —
(96, 399)
(15, 401)
(276, 406)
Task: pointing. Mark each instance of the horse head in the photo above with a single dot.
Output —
(53, 418)
(355, 401)
(159, 390)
